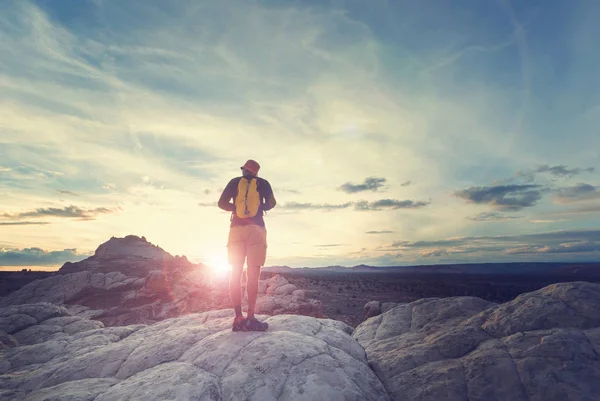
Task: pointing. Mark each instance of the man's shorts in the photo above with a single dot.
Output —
(248, 243)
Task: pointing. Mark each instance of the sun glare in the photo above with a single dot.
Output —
(219, 265)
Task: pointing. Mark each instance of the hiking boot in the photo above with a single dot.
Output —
(239, 324)
(253, 324)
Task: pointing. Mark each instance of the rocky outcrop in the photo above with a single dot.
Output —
(132, 256)
(542, 346)
(129, 281)
(376, 308)
(277, 296)
(116, 299)
(193, 357)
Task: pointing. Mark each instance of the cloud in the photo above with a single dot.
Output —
(579, 192)
(38, 257)
(317, 206)
(5, 169)
(546, 237)
(291, 191)
(503, 197)
(434, 253)
(362, 205)
(584, 209)
(370, 184)
(23, 223)
(390, 204)
(66, 212)
(64, 192)
(329, 245)
(379, 232)
(563, 171)
(544, 221)
(568, 247)
(406, 183)
(492, 216)
(556, 171)
(430, 243)
(565, 241)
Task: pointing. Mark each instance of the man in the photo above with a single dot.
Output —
(252, 196)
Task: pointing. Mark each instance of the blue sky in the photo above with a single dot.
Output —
(392, 132)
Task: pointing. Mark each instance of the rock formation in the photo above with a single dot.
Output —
(376, 308)
(129, 280)
(49, 354)
(542, 346)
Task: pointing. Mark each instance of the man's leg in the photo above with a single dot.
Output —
(256, 251)
(236, 249)
(235, 289)
(253, 275)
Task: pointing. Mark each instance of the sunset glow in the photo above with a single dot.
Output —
(392, 133)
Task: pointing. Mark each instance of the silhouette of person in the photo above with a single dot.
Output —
(247, 242)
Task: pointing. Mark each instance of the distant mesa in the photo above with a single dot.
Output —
(131, 255)
(128, 246)
(364, 267)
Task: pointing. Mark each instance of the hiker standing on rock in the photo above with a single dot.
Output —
(247, 239)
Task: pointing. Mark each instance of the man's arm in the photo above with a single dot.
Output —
(270, 201)
(226, 196)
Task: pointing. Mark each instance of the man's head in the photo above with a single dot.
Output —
(250, 167)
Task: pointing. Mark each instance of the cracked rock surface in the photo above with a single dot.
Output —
(542, 346)
(192, 357)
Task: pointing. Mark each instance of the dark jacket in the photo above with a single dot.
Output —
(267, 201)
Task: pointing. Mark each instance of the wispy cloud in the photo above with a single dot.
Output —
(362, 205)
(434, 253)
(565, 241)
(406, 183)
(379, 232)
(579, 192)
(38, 257)
(316, 206)
(492, 216)
(23, 223)
(65, 192)
(560, 171)
(66, 212)
(503, 197)
(569, 247)
(370, 184)
(390, 204)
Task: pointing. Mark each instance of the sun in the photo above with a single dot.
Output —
(219, 265)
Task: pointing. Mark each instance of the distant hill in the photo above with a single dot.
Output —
(522, 268)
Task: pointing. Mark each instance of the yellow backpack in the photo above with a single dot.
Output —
(247, 201)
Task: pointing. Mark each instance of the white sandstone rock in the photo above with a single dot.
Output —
(467, 349)
(192, 357)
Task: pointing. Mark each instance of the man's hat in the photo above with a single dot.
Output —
(252, 166)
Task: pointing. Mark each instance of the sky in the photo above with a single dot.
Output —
(392, 132)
